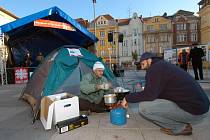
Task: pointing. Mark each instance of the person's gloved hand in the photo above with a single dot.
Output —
(104, 86)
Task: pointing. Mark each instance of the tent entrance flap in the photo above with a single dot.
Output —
(72, 83)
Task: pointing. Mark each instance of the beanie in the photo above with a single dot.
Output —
(98, 65)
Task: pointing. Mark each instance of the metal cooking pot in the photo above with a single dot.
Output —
(110, 98)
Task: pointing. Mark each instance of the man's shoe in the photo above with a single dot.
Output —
(187, 130)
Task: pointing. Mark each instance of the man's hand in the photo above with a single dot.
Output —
(124, 103)
(104, 86)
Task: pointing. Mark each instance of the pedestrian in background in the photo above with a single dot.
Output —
(39, 58)
(183, 59)
(196, 55)
(27, 60)
(171, 98)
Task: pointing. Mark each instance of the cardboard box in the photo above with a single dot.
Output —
(54, 110)
(71, 124)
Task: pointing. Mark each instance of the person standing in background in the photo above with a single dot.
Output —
(39, 58)
(183, 59)
(196, 55)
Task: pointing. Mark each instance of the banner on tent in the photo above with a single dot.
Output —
(21, 75)
(74, 52)
(53, 24)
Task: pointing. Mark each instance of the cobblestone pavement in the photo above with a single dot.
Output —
(16, 118)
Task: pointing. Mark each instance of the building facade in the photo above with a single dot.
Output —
(132, 46)
(6, 16)
(157, 34)
(104, 25)
(186, 29)
(204, 13)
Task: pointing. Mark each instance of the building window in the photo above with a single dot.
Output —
(163, 26)
(124, 33)
(114, 42)
(163, 38)
(193, 26)
(181, 37)
(104, 22)
(102, 43)
(147, 39)
(151, 39)
(181, 26)
(150, 28)
(135, 42)
(156, 19)
(102, 53)
(102, 33)
(125, 52)
(193, 37)
(168, 37)
(125, 43)
(99, 23)
(135, 32)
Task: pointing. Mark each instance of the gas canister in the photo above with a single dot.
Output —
(118, 116)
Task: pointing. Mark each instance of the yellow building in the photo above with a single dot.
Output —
(157, 34)
(6, 16)
(104, 25)
(204, 13)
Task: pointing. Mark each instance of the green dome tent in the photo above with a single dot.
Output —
(61, 71)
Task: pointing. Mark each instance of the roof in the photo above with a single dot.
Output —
(107, 16)
(23, 26)
(146, 18)
(201, 2)
(85, 23)
(122, 22)
(8, 13)
(183, 12)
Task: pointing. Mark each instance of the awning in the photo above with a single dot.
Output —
(25, 27)
(44, 32)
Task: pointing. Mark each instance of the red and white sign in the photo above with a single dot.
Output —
(21, 75)
(53, 24)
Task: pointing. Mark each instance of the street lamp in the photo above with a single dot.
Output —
(94, 15)
(110, 58)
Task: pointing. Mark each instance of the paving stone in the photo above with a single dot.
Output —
(119, 134)
(77, 134)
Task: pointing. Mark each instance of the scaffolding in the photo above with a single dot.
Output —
(3, 60)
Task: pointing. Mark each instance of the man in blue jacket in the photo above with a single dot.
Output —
(171, 98)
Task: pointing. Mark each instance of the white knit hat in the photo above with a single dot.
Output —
(98, 65)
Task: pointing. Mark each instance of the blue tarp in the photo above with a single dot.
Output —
(51, 13)
(25, 38)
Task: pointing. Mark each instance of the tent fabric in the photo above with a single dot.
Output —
(61, 72)
(62, 68)
(52, 12)
(24, 37)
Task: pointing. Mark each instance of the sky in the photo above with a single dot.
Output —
(116, 8)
